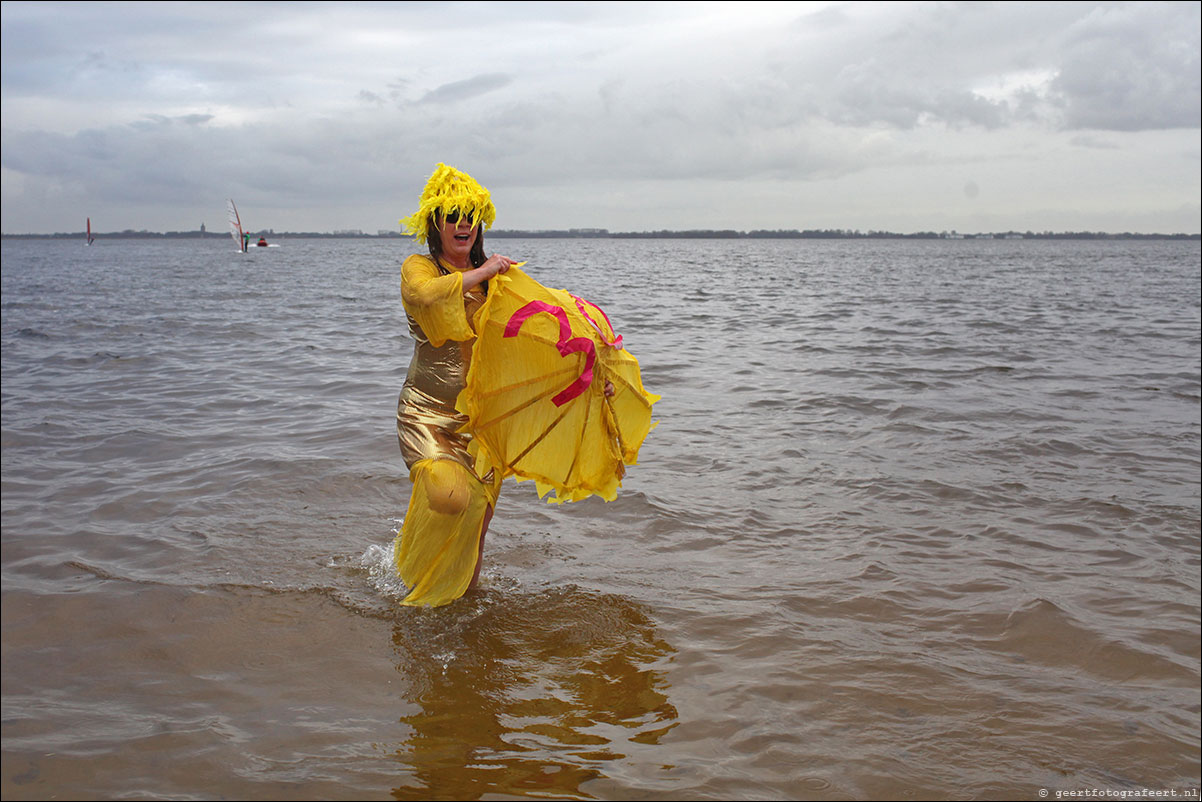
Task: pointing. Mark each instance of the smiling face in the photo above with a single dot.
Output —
(457, 235)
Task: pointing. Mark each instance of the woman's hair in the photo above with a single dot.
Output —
(434, 241)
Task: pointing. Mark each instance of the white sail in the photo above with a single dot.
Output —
(235, 222)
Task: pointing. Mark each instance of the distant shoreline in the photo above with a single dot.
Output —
(600, 233)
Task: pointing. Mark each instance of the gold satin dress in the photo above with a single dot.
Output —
(453, 487)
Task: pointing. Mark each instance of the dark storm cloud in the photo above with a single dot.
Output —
(458, 91)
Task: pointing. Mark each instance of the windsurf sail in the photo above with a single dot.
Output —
(231, 212)
(90, 237)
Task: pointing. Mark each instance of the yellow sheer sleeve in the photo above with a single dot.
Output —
(434, 300)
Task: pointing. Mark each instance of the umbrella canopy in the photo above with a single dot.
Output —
(535, 394)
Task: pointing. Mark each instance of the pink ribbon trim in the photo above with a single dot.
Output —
(567, 344)
(616, 342)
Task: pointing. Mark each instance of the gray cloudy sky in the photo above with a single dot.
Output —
(629, 116)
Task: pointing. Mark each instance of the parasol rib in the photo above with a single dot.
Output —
(563, 413)
(519, 385)
(546, 394)
(526, 335)
(617, 429)
(588, 411)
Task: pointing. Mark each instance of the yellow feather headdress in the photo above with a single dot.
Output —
(447, 191)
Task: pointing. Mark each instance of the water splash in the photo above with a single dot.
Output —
(380, 564)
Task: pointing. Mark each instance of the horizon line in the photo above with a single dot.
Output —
(602, 233)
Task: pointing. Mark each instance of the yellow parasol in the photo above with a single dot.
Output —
(535, 393)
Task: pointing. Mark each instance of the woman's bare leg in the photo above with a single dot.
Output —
(480, 554)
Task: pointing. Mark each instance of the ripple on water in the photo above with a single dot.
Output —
(931, 533)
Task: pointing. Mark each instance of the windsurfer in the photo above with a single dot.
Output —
(440, 547)
(245, 241)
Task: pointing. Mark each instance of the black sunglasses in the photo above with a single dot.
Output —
(453, 218)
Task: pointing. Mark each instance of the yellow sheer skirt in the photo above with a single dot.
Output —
(438, 547)
(439, 543)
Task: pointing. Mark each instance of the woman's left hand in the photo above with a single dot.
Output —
(497, 264)
(492, 266)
